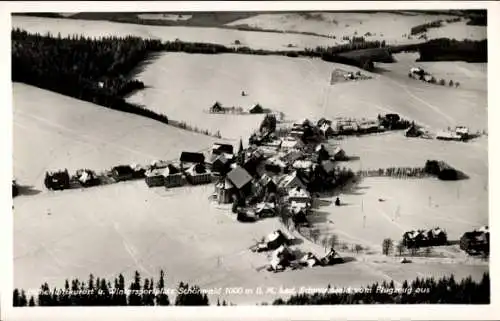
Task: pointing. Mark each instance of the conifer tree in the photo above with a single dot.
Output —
(161, 295)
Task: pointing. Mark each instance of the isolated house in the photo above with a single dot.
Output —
(339, 154)
(216, 108)
(256, 109)
(241, 179)
(188, 159)
(58, 180)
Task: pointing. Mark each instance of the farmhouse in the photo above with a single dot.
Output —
(221, 164)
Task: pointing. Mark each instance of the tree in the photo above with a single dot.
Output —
(358, 248)
(442, 82)
(400, 248)
(134, 297)
(334, 240)
(15, 297)
(387, 245)
(450, 83)
(428, 251)
(457, 84)
(161, 296)
(31, 302)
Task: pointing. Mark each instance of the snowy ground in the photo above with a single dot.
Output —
(252, 39)
(54, 132)
(126, 227)
(300, 88)
(383, 25)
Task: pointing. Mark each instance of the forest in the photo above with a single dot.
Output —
(147, 292)
(443, 291)
(97, 71)
(445, 49)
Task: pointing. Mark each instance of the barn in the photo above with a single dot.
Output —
(197, 174)
(122, 173)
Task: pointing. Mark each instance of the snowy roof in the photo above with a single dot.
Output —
(298, 192)
(264, 206)
(304, 164)
(196, 169)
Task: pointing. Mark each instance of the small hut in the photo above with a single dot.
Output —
(220, 148)
(216, 108)
(339, 154)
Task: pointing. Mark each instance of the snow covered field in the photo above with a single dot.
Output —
(252, 39)
(382, 25)
(53, 132)
(185, 86)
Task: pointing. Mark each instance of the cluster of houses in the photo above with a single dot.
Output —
(217, 108)
(424, 238)
(283, 256)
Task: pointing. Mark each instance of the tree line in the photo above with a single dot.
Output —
(445, 290)
(102, 292)
(445, 49)
(147, 292)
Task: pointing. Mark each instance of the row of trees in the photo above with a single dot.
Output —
(101, 292)
(445, 290)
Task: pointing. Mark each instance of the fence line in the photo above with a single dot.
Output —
(395, 172)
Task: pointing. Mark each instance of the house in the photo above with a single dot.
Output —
(290, 143)
(87, 177)
(265, 209)
(413, 131)
(198, 174)
(268, 184)
(442, 170)
(224, 190)
(275, 165)
(220, 148)
(339, 154)
(448, 135)
(57, 180)
(328, 166)
(290, 181)
(123, 173)
(188, 159)
(172, 176)
(326, 130)
(221, 164)
(217, 108)
(241, 179)
(256, 109)
(322, 153)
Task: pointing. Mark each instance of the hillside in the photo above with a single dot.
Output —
(53, 132)
(298, 87)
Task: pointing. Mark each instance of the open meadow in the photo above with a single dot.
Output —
(393, 27)
(185, 86)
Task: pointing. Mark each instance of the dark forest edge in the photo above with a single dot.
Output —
(99, 71)
(147, 292)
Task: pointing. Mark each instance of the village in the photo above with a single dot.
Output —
(280, 174)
